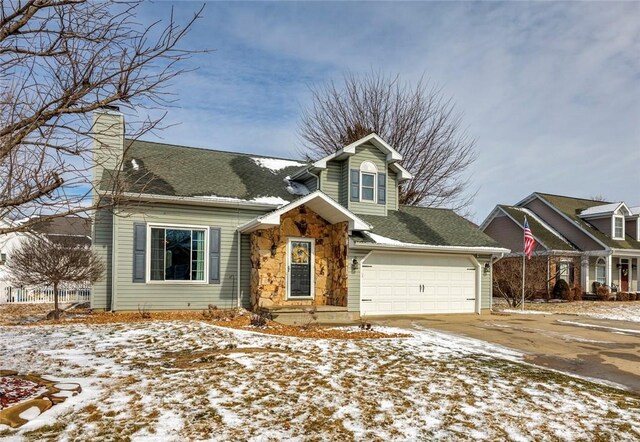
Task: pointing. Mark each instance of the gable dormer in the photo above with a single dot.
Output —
(363, 176)
(609, 219)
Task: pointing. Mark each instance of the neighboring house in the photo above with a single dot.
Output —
(75, 228)
(199, 227)
(586, 240)
(70, 229)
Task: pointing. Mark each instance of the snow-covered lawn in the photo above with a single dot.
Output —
(614, 310)
(189, 380)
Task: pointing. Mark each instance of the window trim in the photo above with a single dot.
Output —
(148, 279)
(369, 168)
(613, 226)
(603, 263)
(559, 271)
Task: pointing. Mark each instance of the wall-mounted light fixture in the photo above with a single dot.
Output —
(354, 264)
(274, 249)
(487, 268)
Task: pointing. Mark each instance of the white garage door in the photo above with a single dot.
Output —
(395, 284)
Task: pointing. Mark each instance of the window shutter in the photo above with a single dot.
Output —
(382, 188)
(139, 246)
(355, 185)
(214, 255)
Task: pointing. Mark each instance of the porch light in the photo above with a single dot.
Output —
(274, 249)
(354, 264)
(487, 268)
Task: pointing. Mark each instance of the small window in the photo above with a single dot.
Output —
(177, 254)
(563, 271)
(3, 259)
(601, 271)
(368, 175)
(618, 227)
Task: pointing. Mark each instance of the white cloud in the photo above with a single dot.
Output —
(551, 91)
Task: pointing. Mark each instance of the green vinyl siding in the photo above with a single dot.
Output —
(344, 184)
(311, 182)
(353, 298)
(368, 153)
(183, 295)
(101, 244)
(392, 191)
(330, 179)
(485, 283)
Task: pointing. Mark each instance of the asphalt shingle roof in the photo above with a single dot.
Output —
(540, 231)
(572, 207)
(171, 170)
(427, 226)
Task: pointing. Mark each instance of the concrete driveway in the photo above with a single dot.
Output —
(603, 349)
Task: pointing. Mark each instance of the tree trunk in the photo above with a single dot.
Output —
(56, 311)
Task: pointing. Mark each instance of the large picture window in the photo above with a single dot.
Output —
(177, 254)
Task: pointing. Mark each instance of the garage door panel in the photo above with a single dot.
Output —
(392, 284)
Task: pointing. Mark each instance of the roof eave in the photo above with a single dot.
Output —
(431, 248)
(197, 201)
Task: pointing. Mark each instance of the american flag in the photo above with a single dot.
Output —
(529, 242)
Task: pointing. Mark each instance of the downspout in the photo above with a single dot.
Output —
(238, 278)
(114, 260)
(317, 179)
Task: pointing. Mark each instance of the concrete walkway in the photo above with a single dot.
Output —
(603, 349)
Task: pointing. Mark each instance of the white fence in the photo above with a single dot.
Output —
(41, 295)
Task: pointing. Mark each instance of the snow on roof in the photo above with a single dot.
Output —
(634, 210)
(273, 200)
(295, 188)
(135, 165)
(596, 210)
(276, 164)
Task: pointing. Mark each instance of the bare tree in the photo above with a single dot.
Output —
(44, 262)
(60, 60)
(507, 279)
(417, 120)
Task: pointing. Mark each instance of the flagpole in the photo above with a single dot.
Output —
(523, 269)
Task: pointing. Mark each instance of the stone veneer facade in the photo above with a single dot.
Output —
(269, 273)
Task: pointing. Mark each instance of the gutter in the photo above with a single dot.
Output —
(429, 248)
(199, 201)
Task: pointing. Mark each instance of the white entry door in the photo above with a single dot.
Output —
(410, 283)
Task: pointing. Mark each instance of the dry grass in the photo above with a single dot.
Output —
(36, 315)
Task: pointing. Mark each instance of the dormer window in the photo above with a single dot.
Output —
(618, 227)
(368, 180)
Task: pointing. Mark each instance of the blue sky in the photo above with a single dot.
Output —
(551, 91)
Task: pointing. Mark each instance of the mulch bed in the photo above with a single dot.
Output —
(223, 318)
(14, 390)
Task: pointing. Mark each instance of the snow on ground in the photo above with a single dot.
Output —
(191, 380)
(613, 310)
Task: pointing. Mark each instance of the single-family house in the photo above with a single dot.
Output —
(196, 226)
(586, 240)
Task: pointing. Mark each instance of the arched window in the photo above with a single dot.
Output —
(368, 180)
(601, 271)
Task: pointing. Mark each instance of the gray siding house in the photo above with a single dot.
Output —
(588, 242)
(194, 227)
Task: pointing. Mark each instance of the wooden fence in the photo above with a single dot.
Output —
(41, 295)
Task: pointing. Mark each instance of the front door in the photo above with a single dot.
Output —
(624, 277)
(300, 267)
